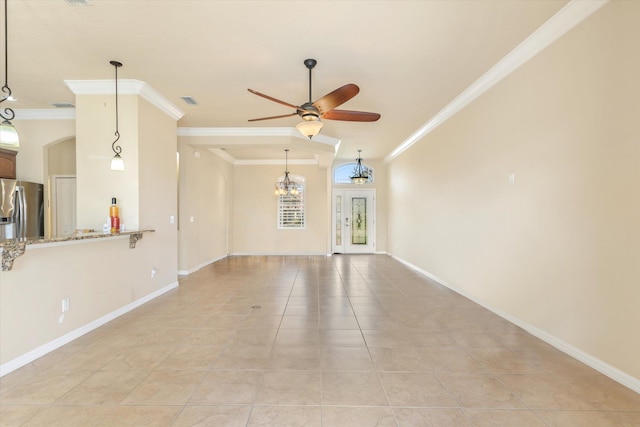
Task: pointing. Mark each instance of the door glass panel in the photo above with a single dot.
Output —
(338, 220)
(359, 221)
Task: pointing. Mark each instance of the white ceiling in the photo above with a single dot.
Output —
(409, 58)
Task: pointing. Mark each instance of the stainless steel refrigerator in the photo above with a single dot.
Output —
(21, 209)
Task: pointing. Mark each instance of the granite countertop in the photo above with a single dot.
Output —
(79, 235)
(13, 248)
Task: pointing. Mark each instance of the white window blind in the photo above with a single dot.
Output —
(291, 209)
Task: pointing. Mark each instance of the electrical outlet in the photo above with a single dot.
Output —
(65, 305)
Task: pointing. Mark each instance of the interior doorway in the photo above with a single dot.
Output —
(63, 204)
(353, 221)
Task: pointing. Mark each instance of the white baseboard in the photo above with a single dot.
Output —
(38, 352)
(198, 267)
(278, 254)
(586, 358)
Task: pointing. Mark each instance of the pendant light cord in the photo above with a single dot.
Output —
(6, 47)
(7, 114)
(116, 148)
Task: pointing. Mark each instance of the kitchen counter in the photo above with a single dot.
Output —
(13, 248)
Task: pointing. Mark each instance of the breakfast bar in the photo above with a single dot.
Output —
(13, 248)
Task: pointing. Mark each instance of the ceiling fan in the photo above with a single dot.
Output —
(312, 111)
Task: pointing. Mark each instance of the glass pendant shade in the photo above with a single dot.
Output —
(117, 163)
(309, 128)
(8, 135)
(359, 179)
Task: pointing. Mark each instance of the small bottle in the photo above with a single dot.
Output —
(114, 214)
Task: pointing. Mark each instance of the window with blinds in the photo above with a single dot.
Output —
(291, 213)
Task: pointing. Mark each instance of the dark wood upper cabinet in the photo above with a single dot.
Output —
(8, 163)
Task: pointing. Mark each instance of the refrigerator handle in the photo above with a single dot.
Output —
(21, 212)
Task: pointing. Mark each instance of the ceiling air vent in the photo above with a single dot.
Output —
(79, 2)
(63, 105)
(189, 100)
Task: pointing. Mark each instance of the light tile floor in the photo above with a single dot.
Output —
(311, 341)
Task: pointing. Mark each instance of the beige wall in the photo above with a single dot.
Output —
(205, 195)
(34, 136)
(255, 228)
(61, 158)
(158, 188)
(96, 182)
(100, 277)
(558, 250)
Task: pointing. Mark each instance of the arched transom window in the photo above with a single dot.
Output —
(343, 173)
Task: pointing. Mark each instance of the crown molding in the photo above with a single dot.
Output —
(224, 155)
(267, 162)
(46, 114)
(559, 24)
(261, 162)
(160, 102)
(254, 131)
(237, 131)
(125, 87)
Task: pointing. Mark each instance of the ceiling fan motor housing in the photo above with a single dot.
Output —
(309, 112)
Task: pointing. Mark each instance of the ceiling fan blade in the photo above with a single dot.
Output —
(336, 98)
(286, 104)
(274, 117)
(351, 116)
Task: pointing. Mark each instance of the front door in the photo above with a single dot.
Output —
(353, 221)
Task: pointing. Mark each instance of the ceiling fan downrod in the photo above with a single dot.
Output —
(310, 63)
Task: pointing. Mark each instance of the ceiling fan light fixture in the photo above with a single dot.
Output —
(310, 128)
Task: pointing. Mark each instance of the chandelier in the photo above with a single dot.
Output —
(360, 174)
(286, 186)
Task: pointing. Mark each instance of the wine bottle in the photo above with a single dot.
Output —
(114, 214)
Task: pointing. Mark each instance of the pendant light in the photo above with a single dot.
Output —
(117, 163)
(286, 186)
(360, 174)
(8, 134)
